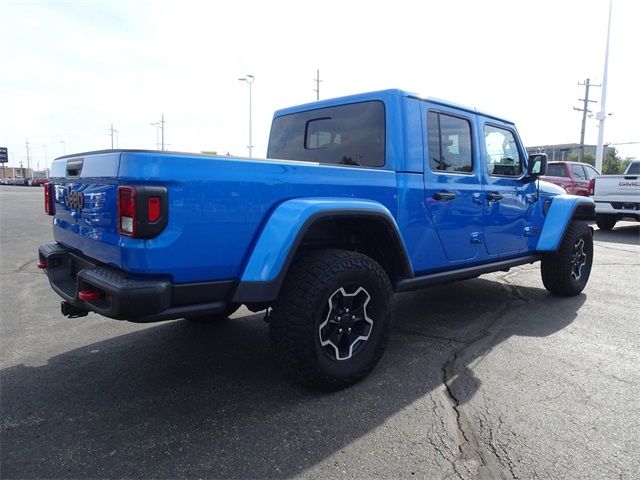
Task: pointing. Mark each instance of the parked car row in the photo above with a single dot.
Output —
(26, 182)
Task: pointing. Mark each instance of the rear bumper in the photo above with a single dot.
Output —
(123, 298)
(622, 209)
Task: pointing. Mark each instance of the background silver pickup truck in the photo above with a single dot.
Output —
(617, 197)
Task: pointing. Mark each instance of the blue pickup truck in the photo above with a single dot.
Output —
(360, 197)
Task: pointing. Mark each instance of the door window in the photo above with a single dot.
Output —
(449, 144)
(503, 157)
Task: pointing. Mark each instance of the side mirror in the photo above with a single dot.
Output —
(537, 166)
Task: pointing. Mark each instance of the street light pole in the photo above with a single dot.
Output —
(249, 79)
(28, 158)
(602, 114)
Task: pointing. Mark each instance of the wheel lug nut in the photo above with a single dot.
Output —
(353, 317)
(349, 330)
(340, 331)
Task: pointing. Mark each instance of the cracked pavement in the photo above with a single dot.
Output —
(488, 378)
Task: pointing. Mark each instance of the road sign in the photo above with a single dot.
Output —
(4, 158)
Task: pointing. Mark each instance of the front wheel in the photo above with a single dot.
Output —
(332, 320)
(566, 271)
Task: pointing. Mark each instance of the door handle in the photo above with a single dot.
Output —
(492, 197)
(444, 196)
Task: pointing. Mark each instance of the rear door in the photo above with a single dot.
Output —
(580, 179)
(509, 200)
(453, 192)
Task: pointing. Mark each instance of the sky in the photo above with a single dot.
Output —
(71, 69)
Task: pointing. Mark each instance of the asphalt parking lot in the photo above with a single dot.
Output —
(488, 378)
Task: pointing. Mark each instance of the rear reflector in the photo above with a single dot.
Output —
(48, 199)
(87, 295)
(153, 209)
(42, 265)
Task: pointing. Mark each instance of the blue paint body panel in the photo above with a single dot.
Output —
(236, 218)
(288, 220)
(558, 217)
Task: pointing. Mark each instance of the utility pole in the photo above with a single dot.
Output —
(28, 156)
(602, 114)
(317, 80)
(584, 110)
(159, 132)
(162, 122)
(111, 132)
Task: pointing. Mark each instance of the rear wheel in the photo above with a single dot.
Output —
(332, 320)
(605, 221)
(566, 271)
(216, 317)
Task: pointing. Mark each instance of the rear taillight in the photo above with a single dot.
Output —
(48, 199)
(142, 211)
(592, 186)
(127, 211)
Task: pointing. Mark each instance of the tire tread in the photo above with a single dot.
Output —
(291, 332)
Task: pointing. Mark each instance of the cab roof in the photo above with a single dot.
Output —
(384, 95)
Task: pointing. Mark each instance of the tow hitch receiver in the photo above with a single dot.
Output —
(70, 311)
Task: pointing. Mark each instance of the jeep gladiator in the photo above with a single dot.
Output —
(360, 197)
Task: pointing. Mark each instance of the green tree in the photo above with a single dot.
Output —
(626, 162)
(590, 158)
(575, 157)
(612, 164)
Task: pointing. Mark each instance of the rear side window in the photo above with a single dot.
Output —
(578, 172)
(634, 168)
(346, 134)
(591, 172)
(449, 143)
(556, 170)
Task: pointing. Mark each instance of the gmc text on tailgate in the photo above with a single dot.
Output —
(360, 197)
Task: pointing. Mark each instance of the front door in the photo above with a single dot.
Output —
(453, 192)
(509, 200)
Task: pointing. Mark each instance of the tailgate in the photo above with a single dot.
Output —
(85, 199)
(617, 188)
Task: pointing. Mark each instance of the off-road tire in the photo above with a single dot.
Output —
(310, 298)
(606, 221)
(216, 317)
(565, 272)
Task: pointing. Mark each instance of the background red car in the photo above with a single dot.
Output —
(572, 176)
